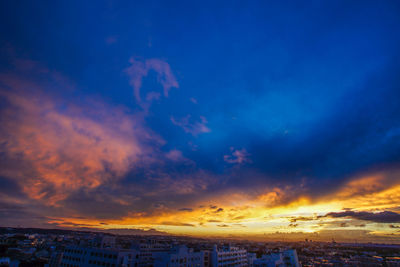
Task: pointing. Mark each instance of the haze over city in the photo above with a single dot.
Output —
(258, 120)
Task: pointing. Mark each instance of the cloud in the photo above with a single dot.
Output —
(186, 209)
(237, 156)
(273, 197)
(214, 221)
(101, 163)
(379, 217)
(302, 218)
(175, 155)
(177, 224)
(193, 127)
(140, 69)
(52, 147)
(365, 185)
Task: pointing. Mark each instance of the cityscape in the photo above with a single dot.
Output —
(205, 133)
(43, 247)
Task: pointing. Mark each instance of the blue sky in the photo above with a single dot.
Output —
(249, 94)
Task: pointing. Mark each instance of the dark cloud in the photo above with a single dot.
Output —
(178, 224)
(9, 186)
(13, 214)
(379, 217)
(303, 218)
(98, 204)
(185, 209)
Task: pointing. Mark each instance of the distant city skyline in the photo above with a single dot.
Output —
(252, 120)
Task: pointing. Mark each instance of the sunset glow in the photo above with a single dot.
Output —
(250, 121)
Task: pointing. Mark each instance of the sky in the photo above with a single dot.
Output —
(248, 119)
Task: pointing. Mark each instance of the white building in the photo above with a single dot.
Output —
(181, 256)
(4, 261)
(251, 257)
(290, 258)
(55, 259)
(228, 256)
(287, 258)
(147, 251)
(269, 260)
(110, 257)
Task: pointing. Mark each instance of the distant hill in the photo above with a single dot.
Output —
(128, 231)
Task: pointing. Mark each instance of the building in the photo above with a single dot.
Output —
(251, 257)
(108, 242)
(4, 262)
(180, 256)
(290, 258)
(269, 260)
(228, 256)
(287, 258)
(109, 257)
(55, 259)
(147, 251)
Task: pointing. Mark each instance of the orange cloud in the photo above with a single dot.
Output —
(259, 216)
(54, 148)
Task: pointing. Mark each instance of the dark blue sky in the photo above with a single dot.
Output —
(287, 93)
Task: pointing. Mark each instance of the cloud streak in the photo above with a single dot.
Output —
(379, 217)
(191, 126)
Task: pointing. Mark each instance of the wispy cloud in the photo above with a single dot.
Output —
(237, 156)
(140, 69)
(175, 155)
(190, 126)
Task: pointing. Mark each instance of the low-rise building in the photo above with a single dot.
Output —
(280, 259)
(228, 256)
(110, 257)
(180, 256)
